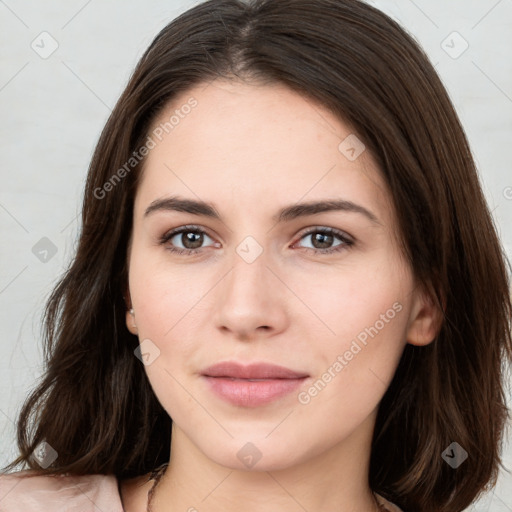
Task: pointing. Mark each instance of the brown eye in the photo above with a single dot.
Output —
(187, 239)
(322, 240)
(191, 239)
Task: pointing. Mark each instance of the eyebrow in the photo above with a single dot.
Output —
(286, 214)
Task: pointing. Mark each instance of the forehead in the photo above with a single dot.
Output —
(256, 144)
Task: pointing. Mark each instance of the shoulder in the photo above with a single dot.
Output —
(30, 491)
(390, 507)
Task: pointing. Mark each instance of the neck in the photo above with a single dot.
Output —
(335, 481)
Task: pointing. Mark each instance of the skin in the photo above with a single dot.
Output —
(250, 150)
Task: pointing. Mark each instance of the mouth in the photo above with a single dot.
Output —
(252, 385)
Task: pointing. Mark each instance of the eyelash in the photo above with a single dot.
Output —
(347, 243)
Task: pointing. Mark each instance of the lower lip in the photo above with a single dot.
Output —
(252, 393)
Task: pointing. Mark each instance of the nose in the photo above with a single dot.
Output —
(251, 301)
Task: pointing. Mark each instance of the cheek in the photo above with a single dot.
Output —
(354, 366)
(163, 300)
(350, 301)
(364, 313)
(169, 303)
(162, 293)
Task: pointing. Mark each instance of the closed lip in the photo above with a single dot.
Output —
(232, 369)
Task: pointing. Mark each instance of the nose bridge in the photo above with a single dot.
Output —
(249, 269)
(250, 295)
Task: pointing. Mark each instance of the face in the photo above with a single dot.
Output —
(322, 292)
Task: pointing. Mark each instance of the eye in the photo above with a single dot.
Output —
(191, 238)
(322, 239)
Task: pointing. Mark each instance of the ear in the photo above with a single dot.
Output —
(426, 318)
(130, 322)
(130, 314)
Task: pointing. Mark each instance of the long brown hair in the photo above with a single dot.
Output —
(94, 404)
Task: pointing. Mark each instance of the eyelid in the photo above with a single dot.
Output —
(185, 227)
(326, 229)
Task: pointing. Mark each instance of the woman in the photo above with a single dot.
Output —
(284, 249)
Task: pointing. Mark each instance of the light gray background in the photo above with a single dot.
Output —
(52, 111)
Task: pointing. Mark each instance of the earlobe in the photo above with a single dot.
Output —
(130, 315)
(425, 320)
(130, 322)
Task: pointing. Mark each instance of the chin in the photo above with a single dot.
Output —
(242, 454)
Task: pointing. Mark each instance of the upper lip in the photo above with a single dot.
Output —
(251, 371)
